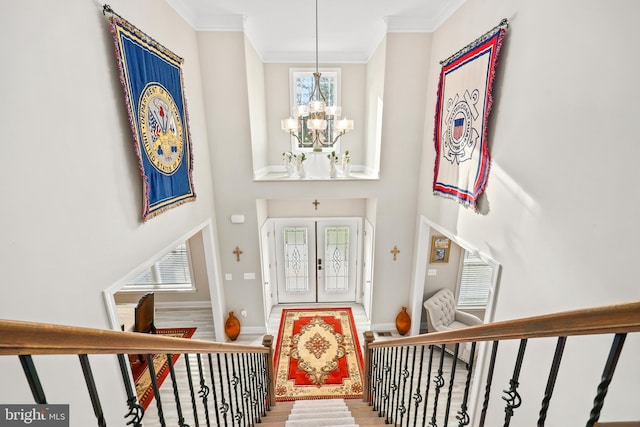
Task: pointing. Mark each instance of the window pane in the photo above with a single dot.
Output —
(336, 255)
(296, 259)
(302, 83)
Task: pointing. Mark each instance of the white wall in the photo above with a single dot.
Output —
(72, 193)
(374, 97)
(561, 196)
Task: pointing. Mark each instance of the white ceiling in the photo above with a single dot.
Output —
(284, 30)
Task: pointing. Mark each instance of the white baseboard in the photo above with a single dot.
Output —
(383, 327)
(253, 330)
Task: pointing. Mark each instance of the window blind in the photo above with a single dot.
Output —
(170, 272)
(475, 281)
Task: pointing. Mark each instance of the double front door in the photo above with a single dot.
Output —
(316, 260)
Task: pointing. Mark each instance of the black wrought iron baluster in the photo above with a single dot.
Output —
(402, 408)
(454, 363)
(372, 379)
(246, 396)
(463, 415)
(213, 388)
(513, 398)
(375, 378)
(154, 387)
(91, 387)
(413, 366)
(136, 411)
(176, 395)
(226, 368)
(204, 390)
(428, 385)
(417, 397)
(487, 389)
(382, 352)
(438, 381)
(262, 381)
(235, 381)
(252, 387)
(394, 386)
(32, 378)
(224, 406)
(607, 376)
(191, 390)
(551, 382)
(373, 383)
(256, 391)
(386, 382)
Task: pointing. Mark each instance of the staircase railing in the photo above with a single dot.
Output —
(235, 382)
(405, 377)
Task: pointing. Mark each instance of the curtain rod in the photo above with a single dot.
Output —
(503, 24)
(107, 9)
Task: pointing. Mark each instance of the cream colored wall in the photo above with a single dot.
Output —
(257, 107)
(353, 79)
(72, 192)
(300, 208)
(560, 186)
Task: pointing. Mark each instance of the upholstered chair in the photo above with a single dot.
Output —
(443, 316)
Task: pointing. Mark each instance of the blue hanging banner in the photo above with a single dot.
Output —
(152, 79)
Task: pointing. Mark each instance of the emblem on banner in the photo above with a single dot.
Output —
(161, 128)
(460, 138)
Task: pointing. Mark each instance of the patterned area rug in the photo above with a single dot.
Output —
(140, 370)
(318, 355)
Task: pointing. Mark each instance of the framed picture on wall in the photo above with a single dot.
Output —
(440, 247)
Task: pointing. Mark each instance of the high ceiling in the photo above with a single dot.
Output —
(284, 30)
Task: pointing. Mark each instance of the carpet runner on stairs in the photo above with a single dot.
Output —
(320, 413)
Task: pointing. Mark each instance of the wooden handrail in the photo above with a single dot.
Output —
(23, 338)
(616, 318)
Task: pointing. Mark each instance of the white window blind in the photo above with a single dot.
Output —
(171, 272)
(475, 281)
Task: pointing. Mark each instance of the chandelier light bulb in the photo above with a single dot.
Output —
(323, 126)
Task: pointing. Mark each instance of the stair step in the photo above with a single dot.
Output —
(310, 409)
(269, 424)
(320, 422)
(618, 424)
(319, 414)
(325, 413)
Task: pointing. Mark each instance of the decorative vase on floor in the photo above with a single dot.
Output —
(232, 327)
(403, 321)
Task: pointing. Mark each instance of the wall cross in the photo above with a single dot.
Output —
(237, 253)
(395, 252)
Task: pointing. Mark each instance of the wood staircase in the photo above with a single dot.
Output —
(363, 414)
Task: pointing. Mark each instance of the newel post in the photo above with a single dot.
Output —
(267, 342)
(366, 390)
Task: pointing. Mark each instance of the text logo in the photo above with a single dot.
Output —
(34, 415)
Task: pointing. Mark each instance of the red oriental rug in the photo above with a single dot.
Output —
(318, 355)
(140, 370)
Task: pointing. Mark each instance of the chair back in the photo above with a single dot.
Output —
(441, 308)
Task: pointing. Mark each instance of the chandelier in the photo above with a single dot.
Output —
(324, 123)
